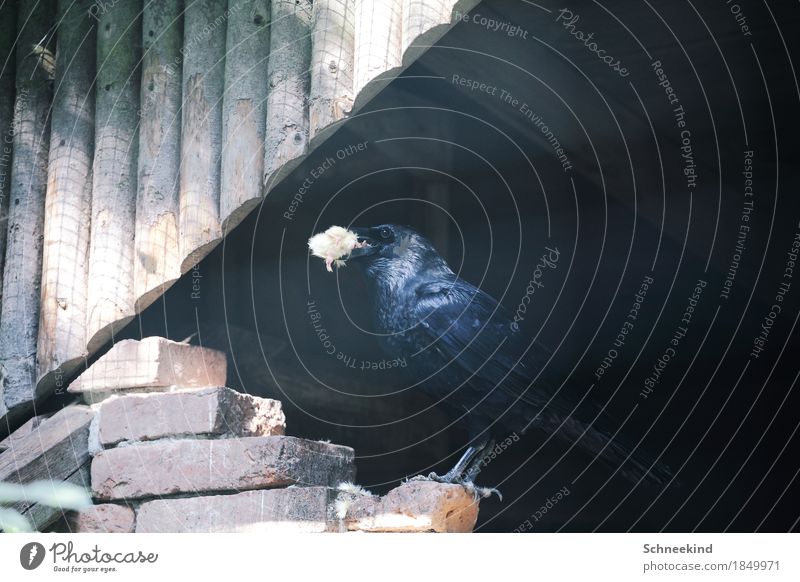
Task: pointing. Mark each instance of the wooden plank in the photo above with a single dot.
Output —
(157, 258)
(289, 61)
(55, 450)
(332, 46)
(201, 137)
(379, 34)
(22, 432)
(42, 516)
(111, 295)
(244, 110)
(62, 332)
(8, 33)
(19, 318)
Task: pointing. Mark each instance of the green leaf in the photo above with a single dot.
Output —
(12, 521)
(53, 493)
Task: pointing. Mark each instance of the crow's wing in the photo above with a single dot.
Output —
(470, 330)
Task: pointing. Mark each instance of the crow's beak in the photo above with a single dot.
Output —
(365, 237)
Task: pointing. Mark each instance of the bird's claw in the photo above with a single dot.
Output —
(480, 492)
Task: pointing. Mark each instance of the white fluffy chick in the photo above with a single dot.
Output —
(334, 245)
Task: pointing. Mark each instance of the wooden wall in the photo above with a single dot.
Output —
(136, 134)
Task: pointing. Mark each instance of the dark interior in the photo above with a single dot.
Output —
(483, 181)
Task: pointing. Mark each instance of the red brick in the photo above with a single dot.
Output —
(103, 518)
(204, 411)
(200, 466)
(296, 509)
(153, 362)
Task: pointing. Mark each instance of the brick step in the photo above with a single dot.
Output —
(210, 412)
(154, 363)
(198, 466)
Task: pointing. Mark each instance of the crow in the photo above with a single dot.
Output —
(468, 356)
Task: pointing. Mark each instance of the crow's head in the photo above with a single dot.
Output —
(395, 251)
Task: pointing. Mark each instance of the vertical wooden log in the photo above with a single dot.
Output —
(379, 36)
(289, 61)
(62, 322)
(244, 109)
(8, 33)
(19, 318)
(157, 259)
(205, 22)
(332, 45)
(110, 303)
(419, 16)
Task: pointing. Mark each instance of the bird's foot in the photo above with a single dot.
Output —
(446, 478)
(480, 492)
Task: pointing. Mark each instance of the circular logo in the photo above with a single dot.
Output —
(31, 555)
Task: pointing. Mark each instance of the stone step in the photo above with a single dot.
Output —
(214, 411)
(198, 466)
(415, 506)
(411, 507)
(296, 509)
(154, 363)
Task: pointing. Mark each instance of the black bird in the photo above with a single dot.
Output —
(460, 343)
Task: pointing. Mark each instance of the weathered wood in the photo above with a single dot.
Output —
(111, 294)
(8, 33)
(42, 516)
(332, 46)
(55, 450)
(419, 16)
(19, 320)
(62, 332)
(201, 138)
(157, 258)
(244, 109)
(11, 440)
(379, 36)
(289, 62)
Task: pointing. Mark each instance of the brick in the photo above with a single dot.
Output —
(103, 518)
(200, 466)
(204, 411)
(296, 509)
(415, 506)
(152, 363)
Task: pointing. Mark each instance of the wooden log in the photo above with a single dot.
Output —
(244, 109)
(419, 16)
(289, 61)
(201, 136)
(62, 332)
(8, 33)
(19, 319)
(332, 46)
(55, 450)
(379, 35)
(157, 258)
(111, 294)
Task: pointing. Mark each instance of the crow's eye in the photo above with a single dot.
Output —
(385, 233)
